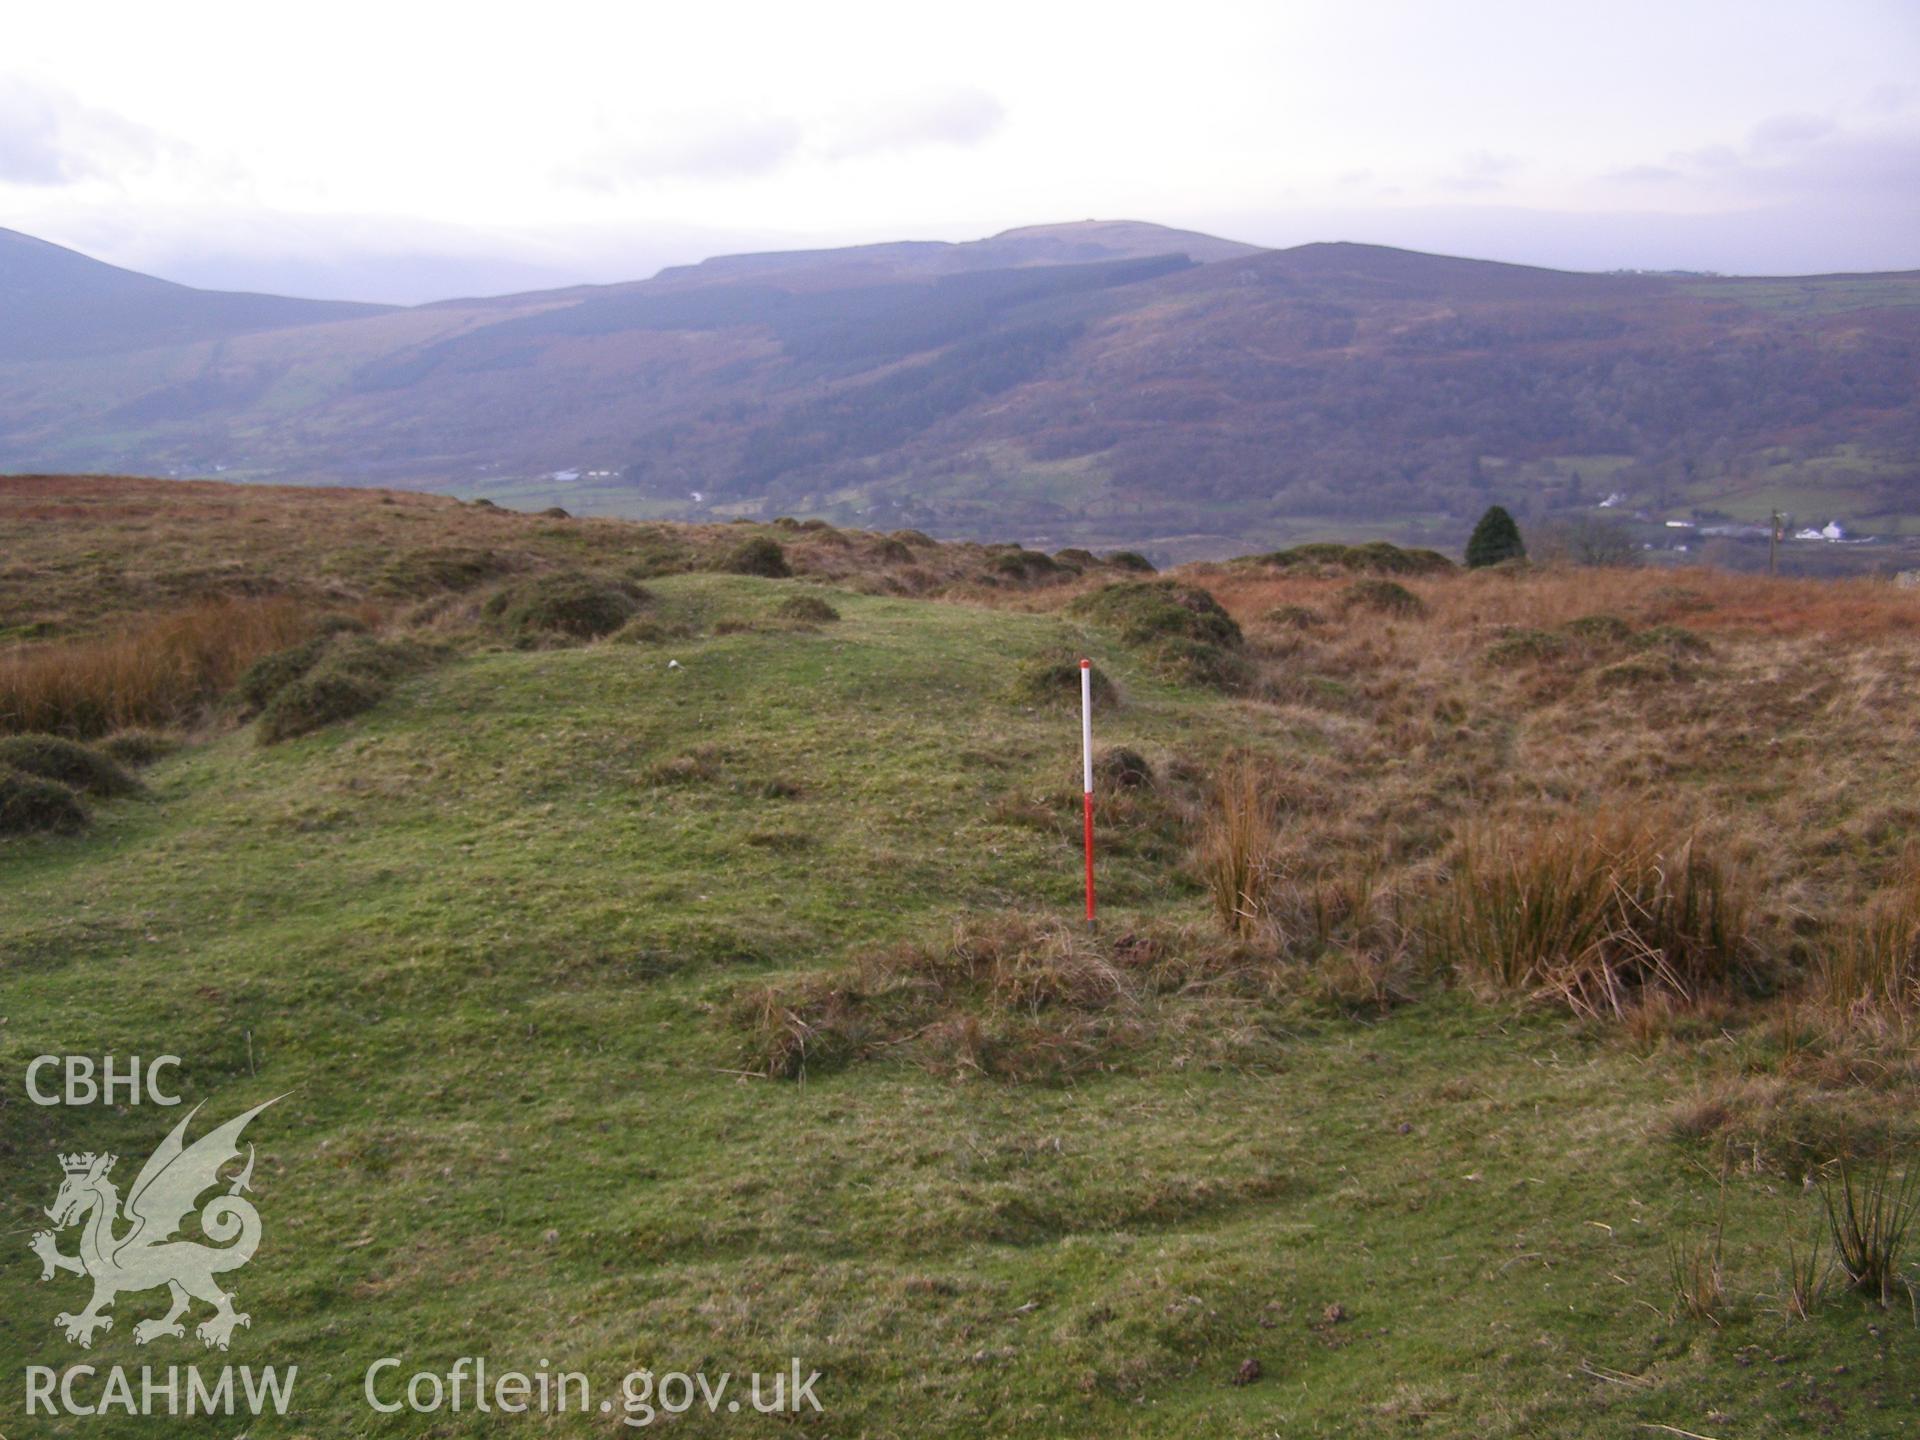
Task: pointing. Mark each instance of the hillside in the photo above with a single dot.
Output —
(711, 994)
(56, 304)
(1099, 383)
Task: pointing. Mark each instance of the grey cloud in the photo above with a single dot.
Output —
(698, 150)
(705, 149)
(960, 117)
(1646, 175)
(48, 137)
(1482, 170)
(1799, 159)
(1783, 130)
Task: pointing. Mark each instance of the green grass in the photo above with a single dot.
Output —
(486, 952)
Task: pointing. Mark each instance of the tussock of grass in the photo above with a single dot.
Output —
(563, 605)
(1119, 768)
(807, 610)
(1293, 617)
(1385, 597)
(1525, 644)
(33, 804)
(1599, 629)
(699, 766)
(139, 748)
(79, 767)
(1591, 912)
(651, 630)
(1057, 682)
(758, 556)
(1642, 671)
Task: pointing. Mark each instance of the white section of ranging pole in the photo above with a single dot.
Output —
(1086, 772)
(1086, 726)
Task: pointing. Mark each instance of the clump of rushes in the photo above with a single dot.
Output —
(1591, 912)
(1236, 844)
(1869, 1213)
(1871, 968)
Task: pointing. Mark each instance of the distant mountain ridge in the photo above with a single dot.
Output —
(1098, 381)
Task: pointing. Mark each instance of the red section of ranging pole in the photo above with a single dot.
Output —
(1086, 769)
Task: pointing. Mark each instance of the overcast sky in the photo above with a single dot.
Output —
(412, 151)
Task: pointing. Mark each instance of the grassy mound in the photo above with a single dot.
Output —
(268, 675)
(759, 556)
(1523, 644)
(1026, 567)
(68, 763)
(1132, 560)
(1599, 629)
(32, 804)
(353, 675)
(1293, 617)
(138, 748)
(1376, 557)
(1057, 682)
(567, 604)
(1016, 996)
(1184, 632)
(1119, 768)
(1385, 597)
(442, 567)
(1143, 612)
(807, 610)
(271, 674)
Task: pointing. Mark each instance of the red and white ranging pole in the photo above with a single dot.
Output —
(1086, 770)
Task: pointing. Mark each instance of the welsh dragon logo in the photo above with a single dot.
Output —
(145, 1255)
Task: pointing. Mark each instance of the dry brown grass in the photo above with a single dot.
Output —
(156, 672)
(1237, 837)
(1592, 912)
(1869, 969)
(1472, 602)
